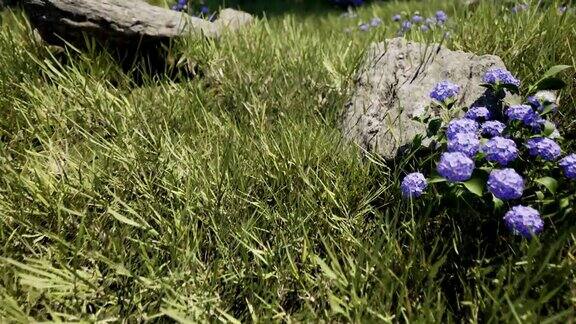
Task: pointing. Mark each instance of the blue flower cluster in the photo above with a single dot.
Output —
(492, 128)
(544, 148)
(425, 24)
(445, 91)
(182, 5)
(478, 113)
(499, 76)
(523, 220)
(500, 150)
(494, 146)
(455, 166)
(506, 184)
(413, 185)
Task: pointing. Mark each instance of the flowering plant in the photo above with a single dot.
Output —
(505, 153)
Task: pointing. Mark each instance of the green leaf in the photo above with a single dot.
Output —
(123, 219)
(433, 127)
(555, 70)
(475, 186)
(564, 203)
(549, 128)
(550, 183)
(436, 179)
(498, 203)
(510, 87)
(550, 84)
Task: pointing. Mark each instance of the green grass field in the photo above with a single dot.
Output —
(232, 197)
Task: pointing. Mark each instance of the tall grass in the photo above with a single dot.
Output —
(231, 196)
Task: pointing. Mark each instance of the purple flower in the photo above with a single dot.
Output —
(429, 21)
(532, 101)
(534, 120)
(441, 16)
(455, 166)
(396, 17)
(478, 113)
(444, 91)
(180, 5)
(424, 28)
(500, 150)
(413, 185)
(492, 128)
(461, 125)
(406, 25)
(417, 19)
(204, 10)
(375, 22)
(363, 27)
(523, 220)
(467, 143)
(498, 76)
(519, 7)
(568, 164)
(543, 147)
(506, 184)
(518, 112)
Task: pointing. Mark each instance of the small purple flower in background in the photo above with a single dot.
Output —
(406, 25)
(348, 3)
(519, 112)
(492, 128)
(568, 164)
(444, 91)
(562, 9)
(424, 28)
(417, 19)
(204, 10)
(500, 76)
(441, 16)
(364, 27)
(461, 125)
(523, 220)
(543, 147)
(478, 113)
(519, 7)
(181, 5)
(500, 150)
(413, 185)
(455, 166)
(506, 184)
(429, 21)
(396, 17)
(467, 143)
(375, 22)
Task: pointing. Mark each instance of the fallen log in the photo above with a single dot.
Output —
(120, 22)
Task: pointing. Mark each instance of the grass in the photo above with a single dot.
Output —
(232, 197)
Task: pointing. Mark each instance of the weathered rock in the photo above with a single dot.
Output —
(233, 19)
(394, 84)
(118, 22)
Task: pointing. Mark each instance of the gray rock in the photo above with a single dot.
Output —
(393, 86)
(233, 20)
(120, 22)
